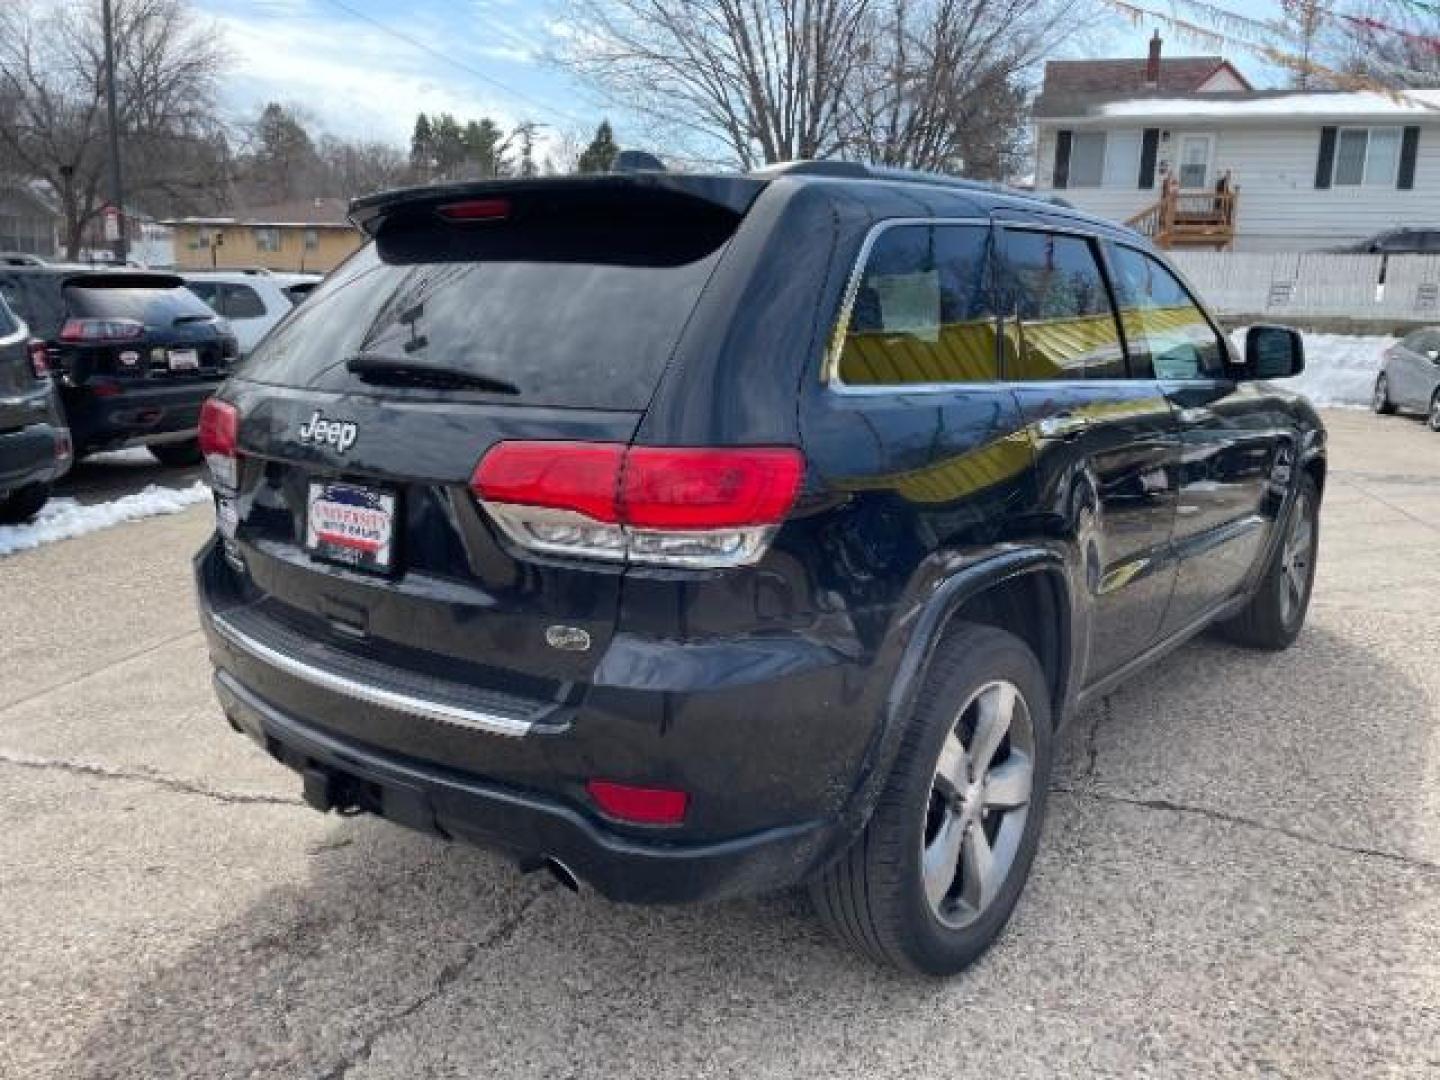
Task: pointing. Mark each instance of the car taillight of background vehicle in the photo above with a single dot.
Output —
(218, 436)
(661, 506)
(97, 331)
(39, 359)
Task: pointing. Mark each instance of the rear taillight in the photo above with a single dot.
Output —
(39, 360)
(218, 436)
(667, 506)
(98, 331)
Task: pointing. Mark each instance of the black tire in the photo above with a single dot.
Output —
(1432, 418)
(177, 453)
(1380, 401)
(875, 897)
(1275, 614)
(23, 504)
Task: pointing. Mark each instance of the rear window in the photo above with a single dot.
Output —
(571, 308)
(151, 306)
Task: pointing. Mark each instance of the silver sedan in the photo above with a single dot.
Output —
(1410, 376)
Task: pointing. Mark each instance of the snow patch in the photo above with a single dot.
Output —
(1411, 103)
(63, 519)
(1340, 369)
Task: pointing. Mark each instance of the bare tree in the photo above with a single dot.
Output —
(52, 114)
(767, 78)
(943, 83)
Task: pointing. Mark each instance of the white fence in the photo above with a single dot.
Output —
(1397, 287)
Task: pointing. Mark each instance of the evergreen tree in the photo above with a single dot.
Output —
(485, 149)
(422, 147)
(599, 156)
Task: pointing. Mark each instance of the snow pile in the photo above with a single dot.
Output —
(62, 519)
(1340, 369)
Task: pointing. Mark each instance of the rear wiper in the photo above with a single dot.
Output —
(398, 371)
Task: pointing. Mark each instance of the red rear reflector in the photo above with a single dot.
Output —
(219, 428)
(475, 210)
(583, 477)
(683, 488)
(639, 805)
(39, 359)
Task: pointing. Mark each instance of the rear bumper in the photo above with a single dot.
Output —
(34, 454)
(522, 823)
(137, 414)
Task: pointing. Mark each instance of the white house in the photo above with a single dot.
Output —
(1254, 170)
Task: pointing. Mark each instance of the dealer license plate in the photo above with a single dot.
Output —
(351, 524)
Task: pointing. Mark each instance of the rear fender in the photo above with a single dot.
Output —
(918, 631)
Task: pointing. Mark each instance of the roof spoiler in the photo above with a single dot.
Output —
(732, 193)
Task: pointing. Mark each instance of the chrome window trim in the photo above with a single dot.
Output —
(440, 712)
(831, 370)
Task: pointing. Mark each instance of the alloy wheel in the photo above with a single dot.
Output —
(1296, 559)
(1434, 418)
(1382, 395)
(979, 802)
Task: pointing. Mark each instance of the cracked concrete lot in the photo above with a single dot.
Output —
(1240, 874)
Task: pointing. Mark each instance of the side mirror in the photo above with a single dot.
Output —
(1273, 352)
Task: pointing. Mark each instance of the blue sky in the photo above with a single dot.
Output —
(359, 79)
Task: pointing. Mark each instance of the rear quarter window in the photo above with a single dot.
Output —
(573, 310)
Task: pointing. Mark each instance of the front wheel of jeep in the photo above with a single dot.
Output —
(935, 876)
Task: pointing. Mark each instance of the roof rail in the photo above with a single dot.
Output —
(858, 170)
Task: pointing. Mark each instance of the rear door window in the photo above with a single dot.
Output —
(1059, 322)
(570, 309)
(922, 311)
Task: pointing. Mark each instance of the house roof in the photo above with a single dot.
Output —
(296, 213)
(1256, 106)
(1178, 75)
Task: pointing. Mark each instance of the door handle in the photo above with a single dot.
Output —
(1062, 426)
(1195, 416)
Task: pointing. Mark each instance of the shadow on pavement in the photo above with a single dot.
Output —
(418, 958)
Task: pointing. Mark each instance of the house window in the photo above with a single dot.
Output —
(1087, 158)
(1122, 159)
(267, 239)
(312, 240)
(1367, 156)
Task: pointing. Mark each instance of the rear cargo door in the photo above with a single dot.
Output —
(364, 415)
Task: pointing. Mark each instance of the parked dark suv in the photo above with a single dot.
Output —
(700, 535)
(34, 442)
(134, 354)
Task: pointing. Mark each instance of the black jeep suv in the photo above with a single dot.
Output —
(134, 354)
(699, 535)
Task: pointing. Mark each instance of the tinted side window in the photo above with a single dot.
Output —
(241, 302)
(8, 323)
(206, 290)
(1058, 320)
(1168, 334)
(922, 311)
(35, 299)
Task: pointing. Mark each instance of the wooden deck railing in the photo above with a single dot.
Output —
(1196, 218)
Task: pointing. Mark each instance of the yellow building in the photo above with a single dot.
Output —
(302, 235)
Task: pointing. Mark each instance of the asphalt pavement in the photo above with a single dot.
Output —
(1240, 873)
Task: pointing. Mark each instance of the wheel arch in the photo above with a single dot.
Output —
(996, 591)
